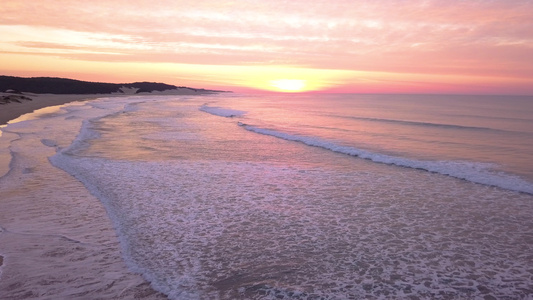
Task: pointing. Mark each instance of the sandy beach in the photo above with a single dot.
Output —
(36, 228)
(13, 109)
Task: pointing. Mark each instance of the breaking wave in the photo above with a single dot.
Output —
(481, 173)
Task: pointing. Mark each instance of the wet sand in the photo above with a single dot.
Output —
(59, 247)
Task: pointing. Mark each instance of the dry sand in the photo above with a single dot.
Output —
(56, 247)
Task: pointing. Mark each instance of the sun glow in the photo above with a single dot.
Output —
(289, 85)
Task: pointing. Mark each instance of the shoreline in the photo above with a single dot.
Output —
(12, 110)
(36, 228)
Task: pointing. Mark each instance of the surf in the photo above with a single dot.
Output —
(425, 124)
(481, 173)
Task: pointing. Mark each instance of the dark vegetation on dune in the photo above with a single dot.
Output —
(52, 85)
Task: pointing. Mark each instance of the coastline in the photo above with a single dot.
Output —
(13, 110)
(36, 228)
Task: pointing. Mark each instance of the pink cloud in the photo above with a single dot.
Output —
(481, 38)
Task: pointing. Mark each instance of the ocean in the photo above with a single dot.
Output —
(306, 196)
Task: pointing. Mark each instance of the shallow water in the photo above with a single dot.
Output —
(56, 241)
(207, 206)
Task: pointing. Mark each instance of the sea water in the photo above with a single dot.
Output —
(290, 196)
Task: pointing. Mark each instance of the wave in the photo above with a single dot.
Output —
(427, 124)
(481, 173)
(222, 112)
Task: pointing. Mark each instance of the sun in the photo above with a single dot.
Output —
(289, 85)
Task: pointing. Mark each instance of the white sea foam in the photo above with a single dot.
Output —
(222, 112)
(201, 230)
(475, 172)
(221, 228)
(57, 236)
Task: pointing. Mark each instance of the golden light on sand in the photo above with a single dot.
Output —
(289, 85)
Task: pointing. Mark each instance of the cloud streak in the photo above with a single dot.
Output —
(464, 38)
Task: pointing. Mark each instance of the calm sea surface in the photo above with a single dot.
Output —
(310, 196)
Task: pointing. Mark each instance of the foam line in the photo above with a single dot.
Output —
(475, 172)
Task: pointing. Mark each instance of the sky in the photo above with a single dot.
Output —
(368, 46)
